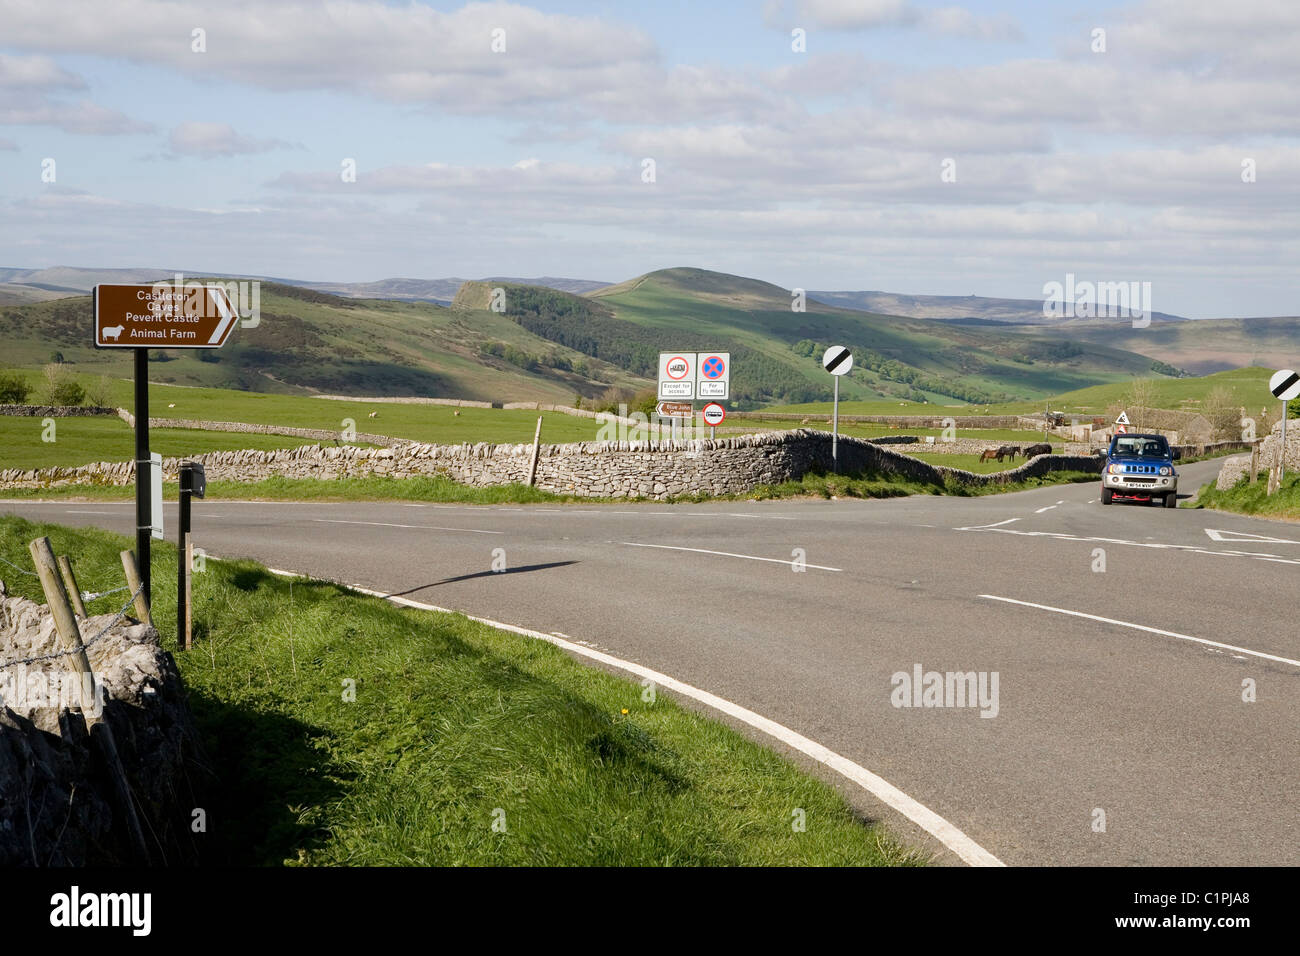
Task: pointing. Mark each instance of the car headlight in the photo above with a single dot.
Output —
(1115, 469)
(1166, 470)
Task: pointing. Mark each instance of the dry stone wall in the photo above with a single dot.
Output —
(632, 469)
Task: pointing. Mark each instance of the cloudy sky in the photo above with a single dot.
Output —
(899, 145)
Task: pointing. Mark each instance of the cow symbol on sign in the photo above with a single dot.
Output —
(713, 367)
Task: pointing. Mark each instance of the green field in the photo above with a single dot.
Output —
(1248, 387)
(80, 441)
(437, 424)
(455, 726)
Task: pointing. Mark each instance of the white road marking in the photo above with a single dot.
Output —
(981, 527)
(1143, 627)
(71, 512)
(728, 554)
(1041, 510)
(946, 833)
(1217, 535)
(1192, 549)
(417, 527)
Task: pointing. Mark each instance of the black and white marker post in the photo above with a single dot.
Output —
(837, 360)
(1285, 384)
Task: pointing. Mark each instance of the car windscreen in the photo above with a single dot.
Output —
(1140, 447)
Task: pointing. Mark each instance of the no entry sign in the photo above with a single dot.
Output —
(714, 414)
(1285, 384)
(163, 315)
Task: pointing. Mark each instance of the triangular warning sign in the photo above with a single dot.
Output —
(1123, 419)
(1216, 535)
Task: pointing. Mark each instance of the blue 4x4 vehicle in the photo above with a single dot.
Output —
(1141, 467)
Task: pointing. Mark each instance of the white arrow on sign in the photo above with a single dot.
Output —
(1285, 384)
(1216, 535)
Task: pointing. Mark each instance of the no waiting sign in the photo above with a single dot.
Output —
(713, 379)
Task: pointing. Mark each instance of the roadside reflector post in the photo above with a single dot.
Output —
(183, 616)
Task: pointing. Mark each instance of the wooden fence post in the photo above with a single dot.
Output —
(537, 440)
(1254, 461)
(101, 733)
(134, 583)
(70, 582)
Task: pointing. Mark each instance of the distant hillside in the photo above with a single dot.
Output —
(779, 350)
(972, 309)
(309, 341)
(1202, 346)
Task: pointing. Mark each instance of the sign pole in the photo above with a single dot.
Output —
(182, 563)
(143, 471)
(1281, 459)
(835, 429)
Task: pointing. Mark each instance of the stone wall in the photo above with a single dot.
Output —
(58, 804)
(635, 469)
(1236, 467)
(56, 411)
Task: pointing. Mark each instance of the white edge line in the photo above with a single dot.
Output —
(409, 527)
(729, 554)
(1143, 627)
(946, 833)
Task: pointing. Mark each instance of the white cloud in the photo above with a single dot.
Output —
(28, 85)
(216, 139)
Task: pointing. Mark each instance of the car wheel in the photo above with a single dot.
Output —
(1106, 495)
(1171, 500)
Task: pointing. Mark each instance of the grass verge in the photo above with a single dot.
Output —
(1248, 499)
(455, 727)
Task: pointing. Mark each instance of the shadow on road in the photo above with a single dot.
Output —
(484, 574)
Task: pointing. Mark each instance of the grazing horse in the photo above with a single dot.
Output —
(989, 455)
(1040, 449)
(1008, 452)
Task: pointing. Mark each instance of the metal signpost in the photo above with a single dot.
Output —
(1285, 384)
(194, 484)
(714, 415)
(168, 316)
(837, 360)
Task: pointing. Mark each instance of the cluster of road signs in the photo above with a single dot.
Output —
(685, 376)
(1121, 424)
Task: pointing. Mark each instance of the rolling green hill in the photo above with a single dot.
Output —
(309, 341)
(777, 351)
(548, 345)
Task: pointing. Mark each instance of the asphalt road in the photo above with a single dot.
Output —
(1148, 727)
